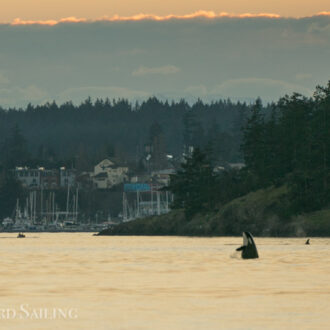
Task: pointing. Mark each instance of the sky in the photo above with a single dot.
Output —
(57, 9)
(62, 51)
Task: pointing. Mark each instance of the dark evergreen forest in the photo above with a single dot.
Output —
(289, 145)
(52, 136)
(84, 134)
(286, 143)
(292, 147)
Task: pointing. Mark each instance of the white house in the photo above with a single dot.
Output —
(106, 174)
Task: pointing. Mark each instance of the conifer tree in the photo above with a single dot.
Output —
(194, 185)
(253, 145)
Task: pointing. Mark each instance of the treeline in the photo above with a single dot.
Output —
(84, 134)
(286, 146)
(292, 147)
(52, 136)
(286, 143)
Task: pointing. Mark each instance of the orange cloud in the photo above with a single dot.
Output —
(141, 17)
(324, 13)
(18, 21)
(198, 14)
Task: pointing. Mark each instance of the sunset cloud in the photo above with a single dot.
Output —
(324, 13)
(144, 17)
(204, 14)
(197, 14)
(18, 21)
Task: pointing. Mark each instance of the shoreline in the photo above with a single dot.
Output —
(264, 213)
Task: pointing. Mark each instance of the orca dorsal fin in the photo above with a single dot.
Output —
(249, 249)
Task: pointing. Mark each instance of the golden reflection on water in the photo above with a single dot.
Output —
(163, 282)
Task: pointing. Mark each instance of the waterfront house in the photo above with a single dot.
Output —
(106, 174)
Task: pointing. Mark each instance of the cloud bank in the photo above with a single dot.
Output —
(204, 55)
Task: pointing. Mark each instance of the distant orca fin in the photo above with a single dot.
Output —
(249, 249)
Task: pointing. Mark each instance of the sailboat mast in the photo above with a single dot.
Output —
(77, 194)
(53, 207)
(67, 202)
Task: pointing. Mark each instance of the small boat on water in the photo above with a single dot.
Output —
(20, 235)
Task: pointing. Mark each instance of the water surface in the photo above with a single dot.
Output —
(162, 283)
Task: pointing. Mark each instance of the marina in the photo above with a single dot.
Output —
(39, 212)
(49, 219)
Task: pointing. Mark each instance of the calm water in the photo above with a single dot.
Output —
(162, 283)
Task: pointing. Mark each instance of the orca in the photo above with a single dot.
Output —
(307, 242)
(249, 249)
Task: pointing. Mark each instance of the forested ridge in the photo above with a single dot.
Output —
(100, 128)
(80, 136)
(290, 145)
(284, 145)
(286, 151)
